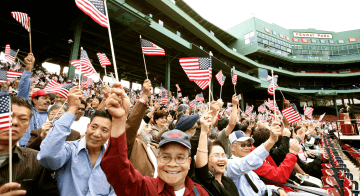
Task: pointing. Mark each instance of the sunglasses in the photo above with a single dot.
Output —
(244, 144)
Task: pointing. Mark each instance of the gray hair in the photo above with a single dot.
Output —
(58, 105)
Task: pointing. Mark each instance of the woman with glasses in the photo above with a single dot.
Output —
(211, 162)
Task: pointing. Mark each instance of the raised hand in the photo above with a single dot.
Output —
(275, 131)
(146, 89)
(295, 146)
(105, 91)
(45, 129)
(29, 61)
(74, 97)
(286, 103)
(235, 101)
(205, 122)
(118, 103)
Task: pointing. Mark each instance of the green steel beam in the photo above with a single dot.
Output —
(167, 74)
(335, 104)
(76, 44)
(242, 101)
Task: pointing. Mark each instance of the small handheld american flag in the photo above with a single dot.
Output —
(23, 18)
(9, 54)
(84, 64)
(309, 111)
(103, 60)
(199, 97)
(220, 78)
(262, 108)
(5, 115)
(291, 115)
(178, 88)
(249, 110)
(164, 95)
(193, 104)
(198, 69)
(150, 48)
(61, 89)
(95, 9)
(273, 84)
(233, 77)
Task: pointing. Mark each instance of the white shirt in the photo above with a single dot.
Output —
(153, 159)
(180, 192)
(81, 125)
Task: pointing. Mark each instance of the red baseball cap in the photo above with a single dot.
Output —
(39, 93)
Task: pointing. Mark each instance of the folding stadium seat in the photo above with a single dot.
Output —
(347, 183)
(347, 192)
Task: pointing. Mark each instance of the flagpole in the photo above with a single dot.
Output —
(147, 77)
(210, 54)
(111, 42)
(16, 56)
(10, 142)
(220, 91)
(30, 35)
(59, 110)
(105, 72)
(80, 71)
(272, 75)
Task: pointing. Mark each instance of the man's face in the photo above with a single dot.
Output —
(240, 151)
(16, 83)
(98, 132)
(173, 173)
(42, 103)
(56, 113)
(79, 113)
(95, 103)
(20, 124)
(59, 99)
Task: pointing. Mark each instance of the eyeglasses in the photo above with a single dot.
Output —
(242, 144)
(82, 109)
(178, 159)
(217, 156)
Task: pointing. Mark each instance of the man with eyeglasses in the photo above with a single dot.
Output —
(173, 161)
(242, 163)
(81, 122)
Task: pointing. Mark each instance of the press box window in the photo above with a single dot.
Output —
(248, 36)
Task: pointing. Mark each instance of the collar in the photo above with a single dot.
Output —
(189, 185)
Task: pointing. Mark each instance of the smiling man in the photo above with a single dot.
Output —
(77, 163)
(29, 177)
(173, 161)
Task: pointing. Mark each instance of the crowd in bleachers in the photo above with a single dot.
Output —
(103, 140)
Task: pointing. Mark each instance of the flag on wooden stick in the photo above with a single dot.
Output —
(150, 48)
(61, 89)
(9, 54)
(5, 116)
(95, 9)
(23, 18)
(103, 60)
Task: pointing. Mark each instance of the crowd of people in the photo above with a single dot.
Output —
(115, 141)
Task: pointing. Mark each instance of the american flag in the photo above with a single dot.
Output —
(61, 89)
(84, 64)
(9, 54)
(178, 88)
(233, 77)
(249, 110)
(273, 84)
(150, 48)
(331, 42)
(3, 76)
(5, 116)
(186, 99)
(322, 117)
(197, 68)
(95, 9)
(262, 108)
(23, 18)
(13, 74)
(291, 115)
(193, 104)
(179, 95)
(17, 66)
(281, 35)
(287, 38)
(309, 111)
(341, 41)
(305, 104)
(220, 78)
(86, 82)
(294, 107)
(164, 95)
(203, 84)
(239, 96)
(103, 60)
(267, 30)
(270, 104)
(199, 97)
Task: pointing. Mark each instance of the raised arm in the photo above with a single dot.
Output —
(134, 120)
(24, 84)
(201, 155)
(54, 151)
(232, 121)
(106, 92)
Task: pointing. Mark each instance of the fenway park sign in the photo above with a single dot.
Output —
(313, 35)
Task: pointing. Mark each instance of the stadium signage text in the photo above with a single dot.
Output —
(314, 35)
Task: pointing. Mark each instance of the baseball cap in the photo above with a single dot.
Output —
(175, 136)
(186, 122)
(239, 136)
(39, 93)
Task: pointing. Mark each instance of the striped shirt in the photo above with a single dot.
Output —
(28, 172)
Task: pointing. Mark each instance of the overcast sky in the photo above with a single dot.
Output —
(319, 14)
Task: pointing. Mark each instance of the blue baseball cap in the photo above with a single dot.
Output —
(239, 136)
(175, 136)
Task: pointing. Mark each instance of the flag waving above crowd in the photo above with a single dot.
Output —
(95, 9)
(150, 48)
(198, 69)
(273, 84)
(23, 18)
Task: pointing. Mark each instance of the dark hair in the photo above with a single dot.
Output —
(222, 123)
(88, 99)
(242, 119)
(101, 113)
(244, 127)
(237, 127)
(83, 102)
(162, 107)
(260, 135)
(99, 98)
(21, 101)
(214, 143)
(252, 130)
(159, 114)
(297, 128)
